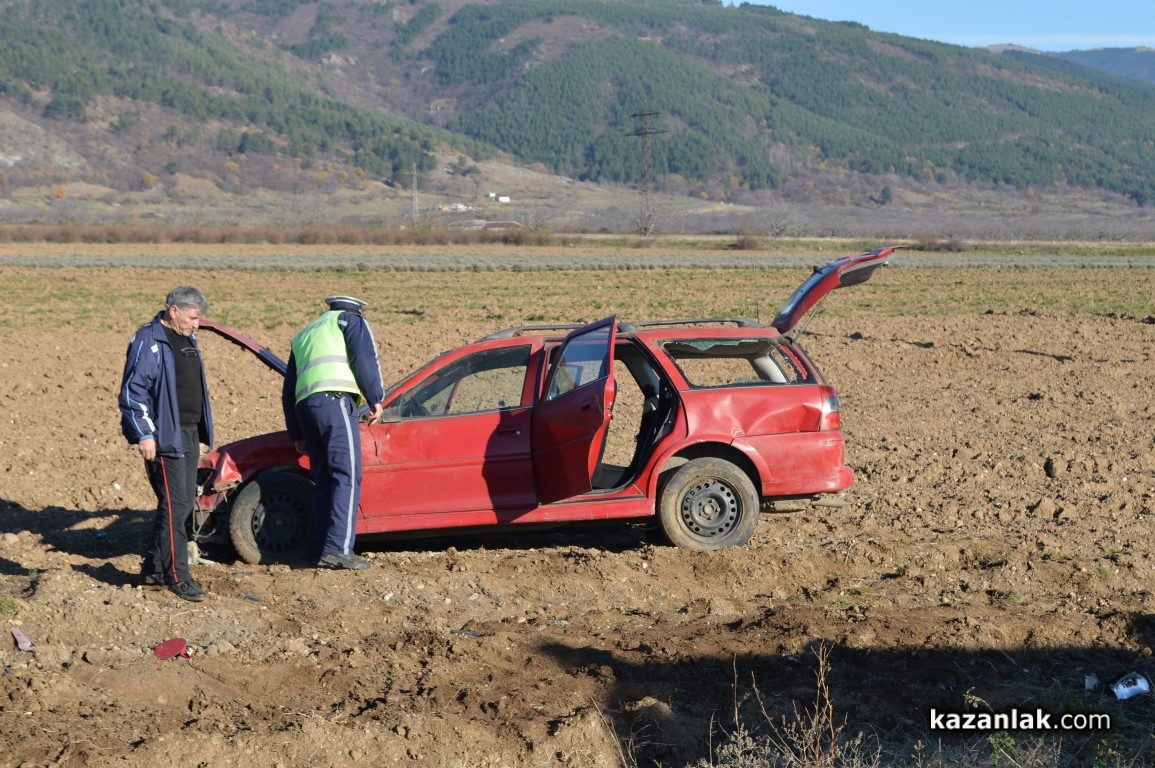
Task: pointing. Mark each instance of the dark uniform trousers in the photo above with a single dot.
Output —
(174, 481)
(333, 437)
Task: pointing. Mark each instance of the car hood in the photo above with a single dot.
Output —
(847, 271)
(241, 340)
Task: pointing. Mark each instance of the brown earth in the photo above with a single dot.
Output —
(995, 548)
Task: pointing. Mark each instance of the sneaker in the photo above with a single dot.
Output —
(188, 590)
(337, 560)
(152, 579)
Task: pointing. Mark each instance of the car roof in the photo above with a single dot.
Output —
(688, 325)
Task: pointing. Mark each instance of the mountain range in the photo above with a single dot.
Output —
(171, 100)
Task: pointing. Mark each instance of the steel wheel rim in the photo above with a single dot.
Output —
(279, 525)
(710, 508)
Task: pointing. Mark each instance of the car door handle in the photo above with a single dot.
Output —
(509, 433)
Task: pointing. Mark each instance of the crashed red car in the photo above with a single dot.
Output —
(693, 426)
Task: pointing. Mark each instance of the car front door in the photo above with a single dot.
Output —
(453, 448)
(573, 413)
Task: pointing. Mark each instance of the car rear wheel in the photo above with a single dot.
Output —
(272, 520)
(708, 504)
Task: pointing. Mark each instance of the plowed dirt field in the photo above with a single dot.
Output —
(995, 550)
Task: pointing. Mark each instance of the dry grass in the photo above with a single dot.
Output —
(317, 235)
(816, 736)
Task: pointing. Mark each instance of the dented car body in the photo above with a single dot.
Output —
(691, 426)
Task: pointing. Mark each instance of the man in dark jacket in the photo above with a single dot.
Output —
(333, 370)
(165, 412)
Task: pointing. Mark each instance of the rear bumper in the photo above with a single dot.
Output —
(802, 464)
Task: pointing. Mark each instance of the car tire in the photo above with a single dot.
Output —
(272, 519)
(708, 504)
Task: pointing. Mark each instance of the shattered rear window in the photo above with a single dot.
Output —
(712, 363)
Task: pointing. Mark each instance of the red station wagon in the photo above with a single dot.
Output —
(693, 426)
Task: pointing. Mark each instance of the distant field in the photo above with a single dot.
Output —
(117, 286)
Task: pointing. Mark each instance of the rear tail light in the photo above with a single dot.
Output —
(831, 417)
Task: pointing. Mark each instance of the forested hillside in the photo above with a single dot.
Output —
(1134, 63)
(741, 98)
(64, 58)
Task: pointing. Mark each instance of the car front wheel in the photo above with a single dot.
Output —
(271, 520)
(708, 504)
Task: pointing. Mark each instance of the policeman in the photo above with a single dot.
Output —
(333, 370)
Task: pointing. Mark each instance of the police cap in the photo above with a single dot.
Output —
(345, 303)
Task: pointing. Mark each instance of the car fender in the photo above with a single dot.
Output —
(225, 474)
(700, 446)
(236, 463)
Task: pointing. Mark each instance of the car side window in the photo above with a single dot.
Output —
(488, 380)
(583, 361)
(711, 363)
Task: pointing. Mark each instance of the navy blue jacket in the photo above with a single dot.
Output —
(362, 351)
(148, 404)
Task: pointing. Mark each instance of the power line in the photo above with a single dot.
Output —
(415, 213)
(647, 219)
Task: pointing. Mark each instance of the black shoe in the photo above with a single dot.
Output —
(152, 579)
(188, 590)
(337, 560)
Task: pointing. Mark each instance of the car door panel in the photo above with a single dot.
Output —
(469, 464)
(455, 442)
(570, 421)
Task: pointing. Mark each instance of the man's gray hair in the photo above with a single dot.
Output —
(186, 297)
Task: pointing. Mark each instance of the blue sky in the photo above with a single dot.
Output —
(1053, 25)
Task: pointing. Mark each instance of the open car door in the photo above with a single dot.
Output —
(572, 416)
(848, 271)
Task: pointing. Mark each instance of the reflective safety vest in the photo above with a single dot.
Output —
(322, 359)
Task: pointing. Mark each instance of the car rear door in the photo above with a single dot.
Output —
(573, 413)
(843, 273)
